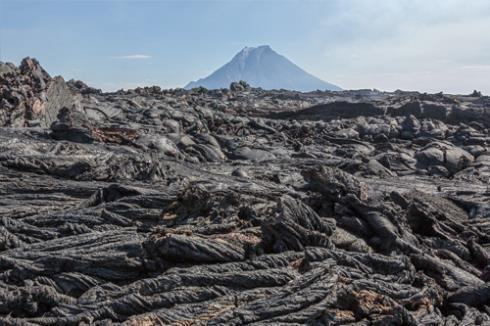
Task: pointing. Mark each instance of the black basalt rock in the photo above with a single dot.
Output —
(241, 206)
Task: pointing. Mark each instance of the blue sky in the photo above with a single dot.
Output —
(436, 45)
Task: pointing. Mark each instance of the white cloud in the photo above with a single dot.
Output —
(475, 67)
(132, 57)
(410, 44)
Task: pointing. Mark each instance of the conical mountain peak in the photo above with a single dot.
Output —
(262, 67)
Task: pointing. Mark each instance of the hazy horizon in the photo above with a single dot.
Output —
(387, 45)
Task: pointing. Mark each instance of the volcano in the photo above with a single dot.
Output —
(263, 67)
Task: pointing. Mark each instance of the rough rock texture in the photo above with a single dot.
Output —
(174, 207)
(29, 96)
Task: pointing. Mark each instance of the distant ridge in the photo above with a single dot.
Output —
(263, 67)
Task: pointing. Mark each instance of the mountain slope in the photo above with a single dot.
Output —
(263, 67)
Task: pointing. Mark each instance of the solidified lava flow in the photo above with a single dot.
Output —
(241, 206)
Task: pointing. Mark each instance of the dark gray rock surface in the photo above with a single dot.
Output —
(30, 97)
(175, 207)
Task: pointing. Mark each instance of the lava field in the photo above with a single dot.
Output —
(241, 206)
